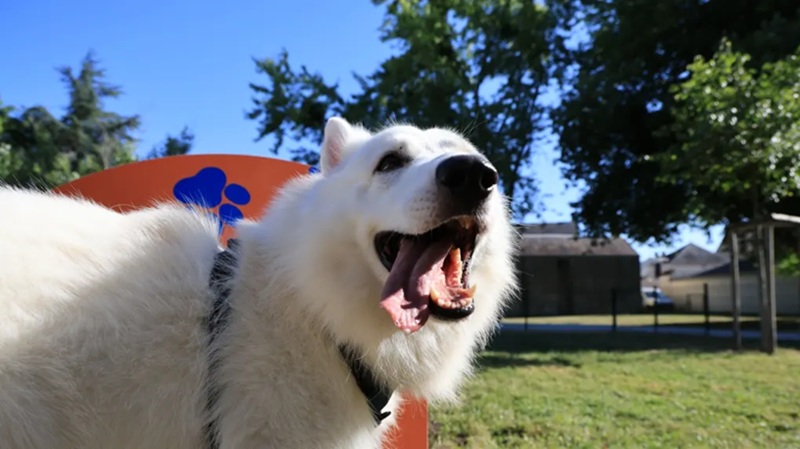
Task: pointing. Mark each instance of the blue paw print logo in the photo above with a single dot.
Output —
(210, 189)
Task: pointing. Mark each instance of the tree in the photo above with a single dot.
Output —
(737, 150)
(174, 146)
(477, 65)
(737, 132)
(32, 155)
(103, 137)
(40, 150)
(293, 105)
(616, 122)
(4, 112)
(8, 163)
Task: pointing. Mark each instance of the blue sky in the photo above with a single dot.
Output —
(188, 63)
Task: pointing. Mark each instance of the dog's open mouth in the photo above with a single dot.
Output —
(428, 273)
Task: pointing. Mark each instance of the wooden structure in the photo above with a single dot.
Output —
(763, 231)
(231, 187)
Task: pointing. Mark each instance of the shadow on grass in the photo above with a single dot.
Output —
(505, 359)
(542, 342)
(783, 325)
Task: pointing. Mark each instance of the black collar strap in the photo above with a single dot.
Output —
(377, 395)
(221, 274)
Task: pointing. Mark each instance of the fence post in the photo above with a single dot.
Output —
(613, 310)
(655, 313)
(769, 332)
(706, 312)
(527, 299)
(736, 291)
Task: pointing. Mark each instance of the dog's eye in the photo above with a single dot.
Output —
(390, 162)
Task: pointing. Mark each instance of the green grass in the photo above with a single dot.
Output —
(641, 319)
(788, 323)
(538, 390)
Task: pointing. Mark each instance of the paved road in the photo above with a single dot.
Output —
(682, 330)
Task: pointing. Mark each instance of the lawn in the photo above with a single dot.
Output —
(538, 390)
(637, 319)
(785, 323)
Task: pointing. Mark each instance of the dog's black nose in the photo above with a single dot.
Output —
(468, 178)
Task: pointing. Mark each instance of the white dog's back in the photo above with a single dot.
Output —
(90, 302)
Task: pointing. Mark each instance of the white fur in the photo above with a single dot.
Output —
(102, 336)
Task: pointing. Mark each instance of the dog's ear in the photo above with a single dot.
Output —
(337, 132)
(338, 139)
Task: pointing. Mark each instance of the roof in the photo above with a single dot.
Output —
(565, 228)
(692, 261)
(555, 245)
(694, 255)
(720, 269)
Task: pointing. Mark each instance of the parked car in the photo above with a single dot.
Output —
(655, 298)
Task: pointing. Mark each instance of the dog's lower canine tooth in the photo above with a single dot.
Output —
(471, 291)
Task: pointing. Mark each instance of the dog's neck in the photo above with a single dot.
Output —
(223, 275)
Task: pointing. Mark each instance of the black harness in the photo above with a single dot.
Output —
(377, 395)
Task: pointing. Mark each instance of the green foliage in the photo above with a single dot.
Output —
(737, 150)
(40, 150)
(292, 105)
(7, 164)
(93, 132)
(615, 123)
(477, 66)
(4, 112)
(174, 146)
(32, 155)
(789, 265)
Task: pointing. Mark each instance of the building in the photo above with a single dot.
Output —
(683, 263)
(688, 271)
(562, 274)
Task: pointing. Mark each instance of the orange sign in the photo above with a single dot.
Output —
(231, 187)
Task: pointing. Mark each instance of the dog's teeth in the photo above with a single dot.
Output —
(471, 291)
(455, 254)
(456, 268)
(437, 299)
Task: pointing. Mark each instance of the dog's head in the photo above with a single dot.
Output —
(426, 201)
(412, 245)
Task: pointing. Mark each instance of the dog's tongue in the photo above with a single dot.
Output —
(416, 269)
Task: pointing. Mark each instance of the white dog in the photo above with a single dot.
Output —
(358, 281)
